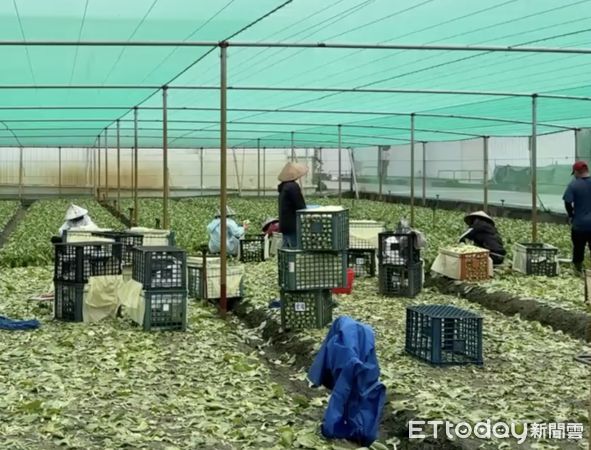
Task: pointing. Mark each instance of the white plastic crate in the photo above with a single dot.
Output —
(363, 234)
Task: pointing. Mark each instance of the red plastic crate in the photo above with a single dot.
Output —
(350, 279)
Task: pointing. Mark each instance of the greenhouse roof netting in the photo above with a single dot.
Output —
(296, 70)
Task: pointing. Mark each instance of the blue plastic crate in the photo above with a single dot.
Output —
(444, 335)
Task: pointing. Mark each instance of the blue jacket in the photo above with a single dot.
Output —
(347, 365)
(233, 230)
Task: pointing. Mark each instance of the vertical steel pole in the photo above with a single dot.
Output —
(201, 170)
(59, 157)
(20, 173)
(223, 168)
(340, 165)
(258, 167)
(98, 155)
(353, 173)
(264, 171)
(424, 173)
(412, 170)
(534, 164)
(135, 168)
(118, 167)
(380, 173)
(165, 187)
(485, 174)
(106, 194)
(293, 158)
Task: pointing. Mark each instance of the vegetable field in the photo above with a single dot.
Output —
(222, 385)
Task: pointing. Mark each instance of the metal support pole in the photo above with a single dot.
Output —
(118, 168)
(98, 155)
(258, 167)
(264, 171)
(340, 165)
(534, 164)
(485, 174)
(237, 174)
(412, 170)
(380, 173)
(135, 168)
(20, 173)
(353, 173)
(293, 156)
(59, 158)
(201, 170)
(223, 168)
(165, 187)
(424, 174)
(320, 169)
(106, 168)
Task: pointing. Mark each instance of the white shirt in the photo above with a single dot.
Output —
(385, 155)
(86, 222)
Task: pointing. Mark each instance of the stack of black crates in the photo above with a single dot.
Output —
(400, 271)
(163, 273)
(307, 274)
(74, 264)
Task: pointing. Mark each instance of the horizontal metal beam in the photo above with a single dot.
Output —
(332, 45)
(299, 89)
(292, 111)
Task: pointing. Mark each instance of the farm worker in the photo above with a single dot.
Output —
(291, 200)
(76, 217)
(484, 234)
(234, 232)
(577, 201)
(270, 226)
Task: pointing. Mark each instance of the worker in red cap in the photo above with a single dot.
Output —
(577, 201)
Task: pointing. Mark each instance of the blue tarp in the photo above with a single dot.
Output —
(10, 324)
(347, 365)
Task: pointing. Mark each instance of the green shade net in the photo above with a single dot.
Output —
(74, 117)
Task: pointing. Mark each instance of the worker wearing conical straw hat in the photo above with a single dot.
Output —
(291, 200)
(484, 234)
(76, 217)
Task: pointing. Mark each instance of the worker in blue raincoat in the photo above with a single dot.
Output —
(347, 365)
(234, 233)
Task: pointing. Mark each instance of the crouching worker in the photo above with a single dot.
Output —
(233, 230)
(76, 217)
(270, 226)
(483, 233)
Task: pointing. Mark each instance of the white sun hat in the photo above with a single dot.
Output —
(75, 211)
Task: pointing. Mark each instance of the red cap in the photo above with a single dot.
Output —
(580, 166)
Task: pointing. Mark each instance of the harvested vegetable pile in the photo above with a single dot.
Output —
(30, 245)
(529, 373)
(7, 210)
(111, 385)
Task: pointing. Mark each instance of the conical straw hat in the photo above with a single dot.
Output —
(75, 211)
(292, 171)
(480, 215)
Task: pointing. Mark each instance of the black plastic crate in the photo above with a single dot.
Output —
(160, 267)
(536, 259)
(252, 248)
(165, 310)
(398, 249)
(68, 300)
(444, 335)
(323, 230)
(400, 281)
(76, 262)
(306, 309)
(196, 286)
(128, 240)
(304, 271)
(363, 262)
